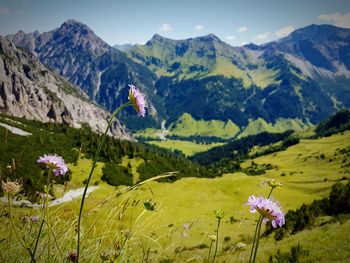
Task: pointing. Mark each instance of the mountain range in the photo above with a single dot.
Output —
(303, 78)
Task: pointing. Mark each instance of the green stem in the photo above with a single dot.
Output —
(211, 245)
(258, 238)
(38, 236)
(217, 239)
(99, 147)
(254, 241)
(42, 217)
(47, 216)
(270, 192)
(39, 233)
(256, 235)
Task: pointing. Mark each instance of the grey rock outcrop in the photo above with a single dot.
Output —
(28, 89)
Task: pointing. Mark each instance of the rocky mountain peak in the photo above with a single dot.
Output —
(158, 39)
(73, 34)
(209, 37)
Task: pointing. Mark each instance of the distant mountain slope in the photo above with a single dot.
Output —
(189, 58)
(30, 90)
(282, 79)
(324, 49)
(123, 47)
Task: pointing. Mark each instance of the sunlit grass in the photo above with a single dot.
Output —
(186, 147)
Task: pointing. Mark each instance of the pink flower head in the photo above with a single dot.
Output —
(271, 211)
(54, 163)
(137, 100)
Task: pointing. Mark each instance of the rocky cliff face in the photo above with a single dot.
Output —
(28, 89)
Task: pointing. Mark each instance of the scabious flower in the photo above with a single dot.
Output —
(137, 100)
(270, 211)
(54, 163)
(11, 188)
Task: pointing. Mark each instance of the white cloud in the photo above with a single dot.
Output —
(262, 36)
(231, 37)
(165, 28)
(242, 29)
(244, 43)
(4, 10)
(198, 27)
(337, 19)
(285, 31)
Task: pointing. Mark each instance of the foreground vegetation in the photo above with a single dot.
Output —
(177, 227)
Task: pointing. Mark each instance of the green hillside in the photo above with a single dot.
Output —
(260, 125)
(186, 126)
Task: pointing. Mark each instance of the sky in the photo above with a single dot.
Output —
(136, 21)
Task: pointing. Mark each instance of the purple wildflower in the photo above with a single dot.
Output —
(54, 163)
(271, 211)
(137, 100)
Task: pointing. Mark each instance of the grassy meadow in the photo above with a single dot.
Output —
(188, 148)
(178, 229)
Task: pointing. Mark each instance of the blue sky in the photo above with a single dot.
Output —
(136, 21)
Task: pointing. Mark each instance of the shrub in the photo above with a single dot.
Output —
(116, 175)
(294, 256)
